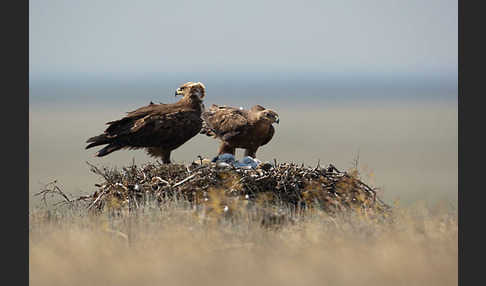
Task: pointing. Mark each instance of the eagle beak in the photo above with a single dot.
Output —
(178, 91)
(277, 120)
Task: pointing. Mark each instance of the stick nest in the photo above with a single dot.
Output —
(227, 188)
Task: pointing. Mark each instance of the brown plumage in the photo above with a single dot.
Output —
(239, 128)
(159, 128)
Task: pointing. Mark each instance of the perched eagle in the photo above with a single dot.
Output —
(159, 128)
(239, 128)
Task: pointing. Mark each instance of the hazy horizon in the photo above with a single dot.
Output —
(243, 91)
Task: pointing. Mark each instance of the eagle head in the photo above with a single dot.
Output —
(269, 115)
(193, 90)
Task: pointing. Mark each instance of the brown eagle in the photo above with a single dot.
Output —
(159, 128)
(239, 128)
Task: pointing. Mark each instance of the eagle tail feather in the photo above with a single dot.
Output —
(97, 140)
(108, 149)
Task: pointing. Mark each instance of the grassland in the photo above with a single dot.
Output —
(175, 244)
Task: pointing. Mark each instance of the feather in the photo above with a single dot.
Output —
(159, 128)
(239, 128)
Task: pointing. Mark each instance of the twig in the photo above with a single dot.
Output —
(55, 190)
(99, 197)
(98, 171)
(183, 181)
(161, 180)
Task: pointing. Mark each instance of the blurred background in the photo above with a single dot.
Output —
(370, 79)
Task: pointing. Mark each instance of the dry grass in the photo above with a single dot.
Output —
(176, 245)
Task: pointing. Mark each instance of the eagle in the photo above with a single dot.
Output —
(158, 128)
(239, 128)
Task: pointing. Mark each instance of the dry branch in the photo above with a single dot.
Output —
(280, 183)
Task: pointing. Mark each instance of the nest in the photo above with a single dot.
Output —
(226, 187)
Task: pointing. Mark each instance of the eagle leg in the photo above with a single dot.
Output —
(226, 148)
(166, 157)
(251, 152)
(159, 152)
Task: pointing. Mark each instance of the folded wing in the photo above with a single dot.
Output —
(224, 122)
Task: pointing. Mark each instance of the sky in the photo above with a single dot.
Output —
(382, 37)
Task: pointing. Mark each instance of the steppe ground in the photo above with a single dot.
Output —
(176, 246)
(410, 150)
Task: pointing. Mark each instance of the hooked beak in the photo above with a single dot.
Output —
(178, 92)
(277, 120)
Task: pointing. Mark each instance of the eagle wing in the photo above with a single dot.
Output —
(139, 115)
(156, 127)
(224, 122)
(160, 125)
